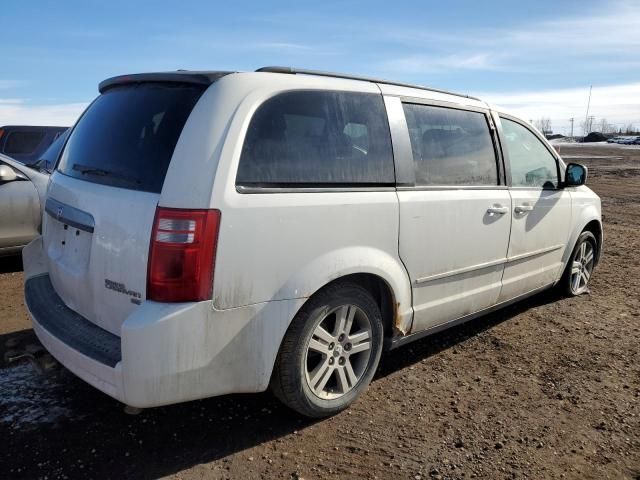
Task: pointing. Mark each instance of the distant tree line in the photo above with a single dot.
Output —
(591, 124)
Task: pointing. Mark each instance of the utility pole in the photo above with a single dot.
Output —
(571, 120)
(586, 117)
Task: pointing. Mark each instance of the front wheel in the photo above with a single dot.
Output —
(575, 280)
(330, 352)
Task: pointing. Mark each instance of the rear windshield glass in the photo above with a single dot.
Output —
(23, 143)
(127, 136)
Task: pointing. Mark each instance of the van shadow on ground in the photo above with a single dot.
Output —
(83, 433)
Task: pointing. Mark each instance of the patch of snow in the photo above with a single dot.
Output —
(562, 141)
(28, 398)
(592, 156)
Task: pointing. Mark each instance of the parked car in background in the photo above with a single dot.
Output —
(22, 191)
(209, 233)
(25, 143)
(613, 140)
(630, 140)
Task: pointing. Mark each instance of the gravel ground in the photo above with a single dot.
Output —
(549, 388)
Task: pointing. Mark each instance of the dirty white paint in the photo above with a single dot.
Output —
(30, 399)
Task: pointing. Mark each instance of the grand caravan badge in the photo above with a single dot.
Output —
(122, 288)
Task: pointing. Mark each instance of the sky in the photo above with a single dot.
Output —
(536, 59)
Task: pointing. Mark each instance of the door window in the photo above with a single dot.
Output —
(450, 147)
(532, 165)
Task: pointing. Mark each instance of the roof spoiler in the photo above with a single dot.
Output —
(179, 76)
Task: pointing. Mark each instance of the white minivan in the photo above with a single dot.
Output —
(209, 233)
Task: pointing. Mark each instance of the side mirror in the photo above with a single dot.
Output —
(7, 174)
(575, 175)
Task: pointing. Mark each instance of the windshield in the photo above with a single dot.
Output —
(127, 135)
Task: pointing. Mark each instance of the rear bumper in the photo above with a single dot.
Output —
(166, 353)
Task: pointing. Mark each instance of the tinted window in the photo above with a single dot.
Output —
(450, 147)
(532, 165)
(311, 137)
(127, 136)
(22, 143)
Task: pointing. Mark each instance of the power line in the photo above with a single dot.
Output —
(586, 117)
(571, 120)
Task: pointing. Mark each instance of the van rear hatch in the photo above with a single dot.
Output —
(103, 195)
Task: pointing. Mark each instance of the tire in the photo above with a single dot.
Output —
(319, 373)
(579, 269)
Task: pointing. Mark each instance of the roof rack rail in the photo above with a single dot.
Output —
(293, 71)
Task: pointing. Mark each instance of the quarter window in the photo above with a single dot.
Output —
(532, 165)
(318, 138)
(450, 147)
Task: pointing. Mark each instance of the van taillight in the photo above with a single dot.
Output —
(182, 255)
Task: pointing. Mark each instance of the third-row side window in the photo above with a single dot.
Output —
(318, 138)
(450, 147)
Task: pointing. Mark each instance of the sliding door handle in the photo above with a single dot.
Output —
(497, 210)
(524, 208)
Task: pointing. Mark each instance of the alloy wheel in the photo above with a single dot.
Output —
(338, 351)
(582, 267)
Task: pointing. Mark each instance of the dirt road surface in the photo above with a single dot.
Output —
(549, 388)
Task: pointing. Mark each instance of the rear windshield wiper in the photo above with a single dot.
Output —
(90, 170)
(101, 172)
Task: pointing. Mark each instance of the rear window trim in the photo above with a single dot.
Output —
(309, 188)
(314, 188)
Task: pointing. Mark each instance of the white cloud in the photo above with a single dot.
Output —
(619, 104)
(608, 35)
(279, 46)
(17, 112)
(439, 63)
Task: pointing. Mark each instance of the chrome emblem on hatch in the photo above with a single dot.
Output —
(59, 213)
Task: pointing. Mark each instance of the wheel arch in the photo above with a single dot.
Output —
(378, 271)
(591, 223)
(381, 292)
(595, 226)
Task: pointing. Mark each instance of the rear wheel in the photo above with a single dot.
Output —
(575, 280)
(330, 352)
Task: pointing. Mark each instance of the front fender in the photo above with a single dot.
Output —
(585, 209)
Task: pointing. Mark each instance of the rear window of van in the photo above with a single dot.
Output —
(127, 136)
